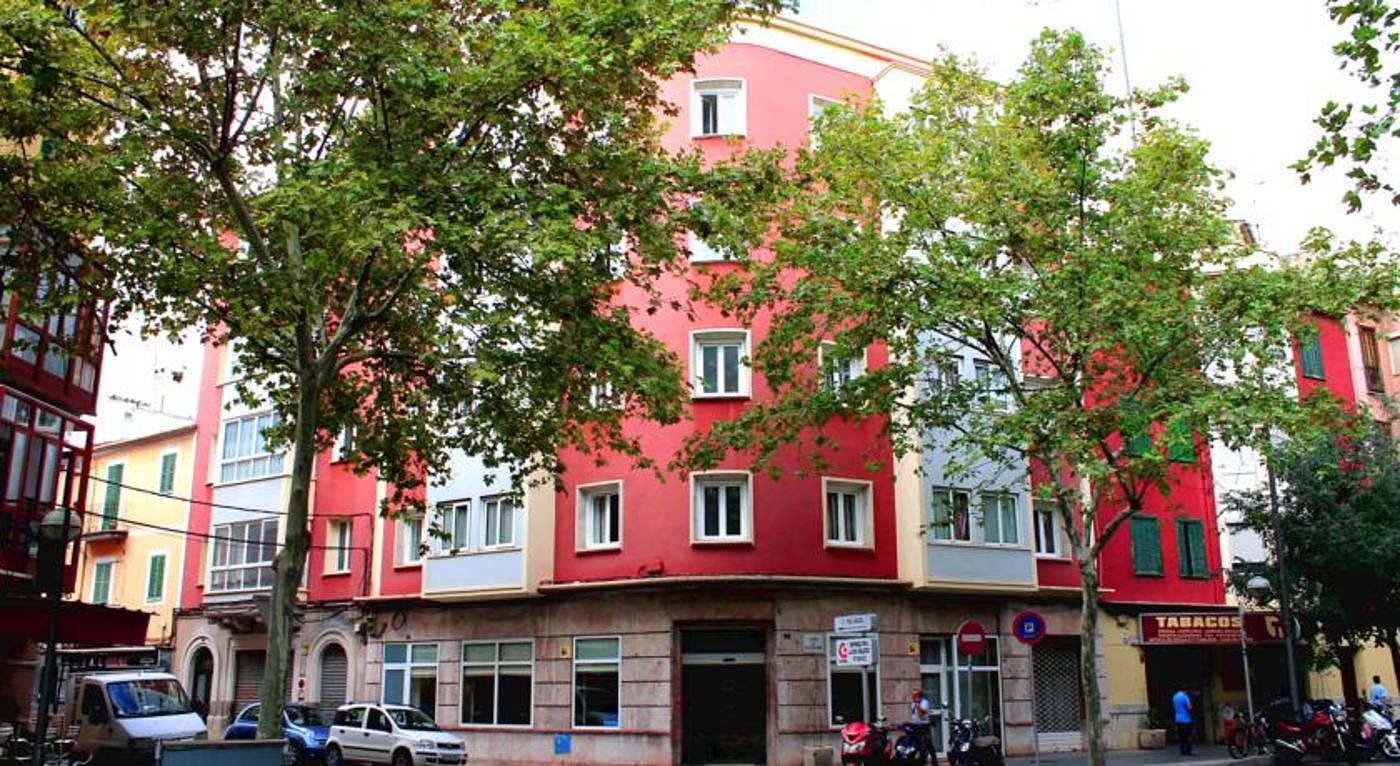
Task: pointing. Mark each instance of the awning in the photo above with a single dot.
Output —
(78, 622)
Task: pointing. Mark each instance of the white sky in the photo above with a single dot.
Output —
(1258, 70)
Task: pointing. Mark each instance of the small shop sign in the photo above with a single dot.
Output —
(849, 624)
(855, 651)
(1209, 628)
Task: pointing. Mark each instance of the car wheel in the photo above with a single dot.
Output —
(401, 758)
(333, 757)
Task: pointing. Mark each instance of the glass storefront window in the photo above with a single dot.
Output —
(970, 686)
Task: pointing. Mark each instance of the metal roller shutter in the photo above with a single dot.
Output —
(335, 670)
(248, 669)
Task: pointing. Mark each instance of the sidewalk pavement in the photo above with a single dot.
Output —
(1203, 755)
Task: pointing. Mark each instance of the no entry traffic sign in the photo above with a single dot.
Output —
(971, 638)
(1028, 627)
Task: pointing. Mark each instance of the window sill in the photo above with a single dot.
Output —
(239, 592)
(1158, 575)
(709, 136)
(216, 483)
(852, 547)
(491, 727)
(408, 565)
(596, 549)
(337, 573)
(1313, 377)
(460, 552)
(1052, 557)
(719, 397)
(1194, 577)
(722, 542)
(980, 544)
(707, 261)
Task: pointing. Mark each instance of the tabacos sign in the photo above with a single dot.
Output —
(1209, 628)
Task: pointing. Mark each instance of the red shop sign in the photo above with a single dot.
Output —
(1210, 628)
(971, 638)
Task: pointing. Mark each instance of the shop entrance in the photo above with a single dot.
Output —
(724, 696)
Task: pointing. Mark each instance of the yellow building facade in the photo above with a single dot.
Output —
(133, 528)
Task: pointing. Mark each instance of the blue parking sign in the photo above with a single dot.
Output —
(563, 744)
(1028, 627)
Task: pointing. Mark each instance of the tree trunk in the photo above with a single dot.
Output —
(290, 563)
(1089, 662)
(1394, 646)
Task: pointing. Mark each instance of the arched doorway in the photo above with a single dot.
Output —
(201, 680)
(334, 672)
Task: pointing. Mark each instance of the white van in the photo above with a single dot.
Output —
(121, 716)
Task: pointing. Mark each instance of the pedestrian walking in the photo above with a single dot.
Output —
(1181, 705)
(1380, 696)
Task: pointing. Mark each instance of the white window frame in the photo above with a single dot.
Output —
(1042, 507)
(496, 697)
(1002, 516)
(865, 524)
(500, 501)
(160, 470)
(738, 121)
(723, 478)
(951, 539)
(573, 681)
(719, 336)
(273, 461)
(826, 102)
(406, 555)
(338, 549)
(407, 667)
(161, 553)
(111, 564)
(344, 444)
(1392, 345)
(448, 512)
(700, 250)
(855, 366)
(832, 668)
(585, 494)
(987, 374)
(230, 362)
(215, 567)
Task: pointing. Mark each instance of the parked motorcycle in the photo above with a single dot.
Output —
(867, 744)
(1378, 737)
(915, 745)
(969, 746)
(1244, 736)
(1325, 732)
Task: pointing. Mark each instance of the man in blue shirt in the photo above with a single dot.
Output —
(1380, 697)
(1181, 704)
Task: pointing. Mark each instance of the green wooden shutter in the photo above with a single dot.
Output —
(112, 498)
(1147, 545)
(1191, 547)
(1181, 443)
(167, 473)
(1137, 439)
(1310, 354)
(155, 578)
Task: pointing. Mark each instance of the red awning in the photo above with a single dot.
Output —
(78, 622)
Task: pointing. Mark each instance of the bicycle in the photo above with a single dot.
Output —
(1245, 737)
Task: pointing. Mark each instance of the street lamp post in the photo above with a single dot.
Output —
(53, 541)
(1290, 631)
(1257, 587)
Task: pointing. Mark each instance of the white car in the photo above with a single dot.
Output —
(368, 732)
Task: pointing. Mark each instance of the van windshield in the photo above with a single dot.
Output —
(145, 697)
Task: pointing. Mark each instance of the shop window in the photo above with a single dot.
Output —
(597, 673)
(410, 676)
(951, 514)
(971, 686)
(1000, 520)
(1310, 357)
(1146, 542)
(1191, 548)
(1047, 528)
(853, 691)
(497, 678)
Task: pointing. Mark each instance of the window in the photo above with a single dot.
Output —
(378, 721)
(155, 578)
(943, 375)
(410, 534)
(839, 371)
(697, 238)
(816, 106)
(597, 666)
(853, 691)
(1370, 359)
(992, 384)
(410, 676)
(600, 516)
(233, 360)
(1191, 548)
(971, 686)
(102, 581)
(245, 454)
(721, 508)
(950, 514)
(496, 682)
(717, 363)
(1310, 357)
(500, 521)
(353, 718)
(602, 397)
(1000, 522)
(338, 533)
(344, 444)
(847, 513)
(717, 108)
(167, 473)
(1133, 426)
(243, 554)
(1181, 442)
(1394, 345)
(1146, 542)
(1047, 528)
(456, 521)
(112, 496)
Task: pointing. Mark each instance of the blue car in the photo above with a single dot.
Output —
(302, 726)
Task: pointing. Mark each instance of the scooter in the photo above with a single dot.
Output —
(866, 743)
(1378, 735)
(915, 745)
(968, 746)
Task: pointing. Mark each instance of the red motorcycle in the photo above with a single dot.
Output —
(866, 743)
(1325, 732)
